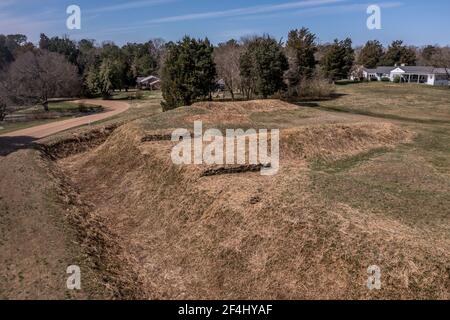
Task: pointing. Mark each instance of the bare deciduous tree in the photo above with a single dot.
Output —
(441, 59)
(36, 77)
(226, 57)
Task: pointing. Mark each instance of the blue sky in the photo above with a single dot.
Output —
(416, 22)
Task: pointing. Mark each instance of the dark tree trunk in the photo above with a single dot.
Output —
(45, 105)
(2, 112)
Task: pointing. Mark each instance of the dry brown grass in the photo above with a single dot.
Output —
(227, 113)
(246, 236)
(332, 142)
(352, 191)
(38, 235)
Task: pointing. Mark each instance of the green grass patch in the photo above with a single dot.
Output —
(63, 107)
(412, 103)
(341, 165)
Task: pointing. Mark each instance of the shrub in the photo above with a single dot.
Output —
(87, 108)
(346, 82)
(83, 108)
(397, 79)
(316, 88)
(385, 79)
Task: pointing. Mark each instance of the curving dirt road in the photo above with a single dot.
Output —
(38, 132)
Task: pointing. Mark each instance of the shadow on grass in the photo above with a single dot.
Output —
(229, 100)
(11, 144)
(316, 105)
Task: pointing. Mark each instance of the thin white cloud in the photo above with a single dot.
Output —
(346, 8)
(320, 11)
(246, 11)
(255, 11)
(130, 5)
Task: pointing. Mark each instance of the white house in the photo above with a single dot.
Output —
(378, 73)
(410, 74)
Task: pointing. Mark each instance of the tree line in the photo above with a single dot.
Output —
(261, 66)
(373, 54)
(62, 67)
(257, 66)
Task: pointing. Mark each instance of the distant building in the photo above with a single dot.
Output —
(220, 85)
(410, 74)
(150, 83)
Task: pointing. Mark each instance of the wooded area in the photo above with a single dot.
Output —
(258, 66)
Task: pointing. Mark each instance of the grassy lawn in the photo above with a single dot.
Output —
(61, 107)
(410, 102)
(58, 111)
(409, 183)
(351, 193)
(131, 95)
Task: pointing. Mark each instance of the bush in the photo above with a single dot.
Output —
(385, 79)
(83, 108)
(316, 88)
(397, 79)
(346, 82)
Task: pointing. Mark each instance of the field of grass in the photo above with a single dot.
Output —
(58, 111)
(409, 183)
(61, 107)
(364, 180)
(134, 94)
(409, 102)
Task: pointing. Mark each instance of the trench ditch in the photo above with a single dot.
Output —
(103, 247)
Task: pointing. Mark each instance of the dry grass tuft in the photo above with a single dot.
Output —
(332, 142)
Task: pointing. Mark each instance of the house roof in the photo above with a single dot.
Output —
(417, 70)
(409, 69)
(442, 71)
(149, 79)
(384, 70)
